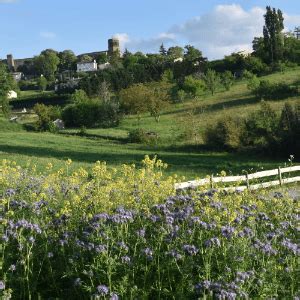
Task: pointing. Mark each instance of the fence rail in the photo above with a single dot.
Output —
(212, 181)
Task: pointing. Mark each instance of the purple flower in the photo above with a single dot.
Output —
(10, 192)
(100, 217)
(125, 259)
(241, 277)
(148, 252)
(77, 282)
(141, 233)
(262, 217)
(100, 248)
(228, 295)
(190, 249)
(212, 242)
(102, 290)
(12, 268)
(2, 285)
(123, 246)
(227, 231)
(169, 220)
(5, 238)
(114, 296)
(31, 240)
(265, 248)
(50, 254)
(175, 254)
(246, 232)
(291, 246)
(63, 242)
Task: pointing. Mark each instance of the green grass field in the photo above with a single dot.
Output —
(183, 155)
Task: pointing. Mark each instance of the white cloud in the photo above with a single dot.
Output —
(227, 29)
(47, 35)
(123, 38)
(145, 45)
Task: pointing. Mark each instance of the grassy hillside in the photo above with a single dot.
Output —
(183, 155)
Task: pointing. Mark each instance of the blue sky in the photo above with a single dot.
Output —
(215, 27)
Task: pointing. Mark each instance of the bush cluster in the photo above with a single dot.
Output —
(263, 131)
(142, 136)
(91, 113)
(46, 116)
(274, 91)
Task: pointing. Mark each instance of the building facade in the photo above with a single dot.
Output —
(87, 66)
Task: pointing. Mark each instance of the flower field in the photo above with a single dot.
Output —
(126, 234)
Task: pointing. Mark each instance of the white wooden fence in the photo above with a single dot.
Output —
(213, 181)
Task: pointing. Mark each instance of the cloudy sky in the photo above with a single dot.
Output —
(216, 27)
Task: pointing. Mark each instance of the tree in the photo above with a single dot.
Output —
(46, 115)
(42, 83)
(192, 54)
(175, 52)
(168, 76)
(86, 58)
(157, 98)
(227, 79)
(133, 99)
(141, 98)
(79, 96)
(211, 80)
(162, 50)
(67, 60)
(47, 64)
(102, 58)
(193, 86)
(273, 37)
(6, 84)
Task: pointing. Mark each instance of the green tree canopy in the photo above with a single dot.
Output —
(211, 80)
(67, 60)
(46, 64)
(175, 52)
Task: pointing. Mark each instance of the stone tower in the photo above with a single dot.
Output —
(113, 46)
(10, 62)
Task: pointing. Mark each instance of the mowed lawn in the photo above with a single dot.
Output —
(183, 156)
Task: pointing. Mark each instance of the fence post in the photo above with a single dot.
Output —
(247, 181)
(211, 181)
(280, 176)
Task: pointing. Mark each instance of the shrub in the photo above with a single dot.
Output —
(227, 80)
(261, 130)
(141, 136)
(181, 95)
(266, 90)
(225, 134)
(46, 115)
(91, 113)
(193, 86)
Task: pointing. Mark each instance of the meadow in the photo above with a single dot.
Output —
(180, 137)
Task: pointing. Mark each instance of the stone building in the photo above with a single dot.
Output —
(87, 66)
(113, 46)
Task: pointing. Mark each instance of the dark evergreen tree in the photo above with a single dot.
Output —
(273, 37)
(162, 50)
